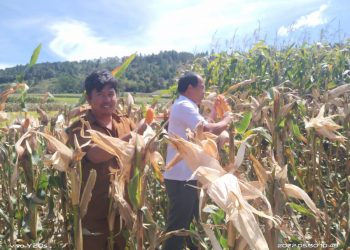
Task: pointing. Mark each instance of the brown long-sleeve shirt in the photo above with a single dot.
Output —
(121, 125)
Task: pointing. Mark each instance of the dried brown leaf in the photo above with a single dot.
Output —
(87, 193)
(123, 151)
(298, 193)
(259, 170)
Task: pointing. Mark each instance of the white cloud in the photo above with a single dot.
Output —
(190, 27)
(182, 25)
(181, 28)
(311, 20)
(5, 65)
(74, 40)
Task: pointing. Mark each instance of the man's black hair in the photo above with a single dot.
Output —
(98, 79)
(187, 79)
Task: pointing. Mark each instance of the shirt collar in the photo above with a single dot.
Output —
(92, 119)
(182, 97)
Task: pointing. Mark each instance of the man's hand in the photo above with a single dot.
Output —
(218, 127)
(228, 117)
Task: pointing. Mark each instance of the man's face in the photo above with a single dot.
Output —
(198, 92)
(103, 103)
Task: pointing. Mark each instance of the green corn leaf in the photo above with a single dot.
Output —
(218, 217)
(243, 124)
(43, 181)
(259, 130)
(223, 242)
(34, 56)
(282, 123)
(19, 215)
(135, 185)
(301, 209)
(331, 85)
(295, 240)
(119, 70)
(296, 130)
(132, 188)
(20, 77)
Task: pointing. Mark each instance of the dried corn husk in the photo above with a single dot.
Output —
(5, 94)
(225, 192)
(62, 154)
(240, 155)
(223, 189)
(237, 85)
(117, 194)
(44, 118)
(123, 151)
(325, 126)
(3, 116)
(209, 146)
(195, 156)
(298, 193)
(130, 100)
(223, 139)
(340, 90)
(259, 170)
(210, 233)
(157, 163)
(78, 111)
(87, 193)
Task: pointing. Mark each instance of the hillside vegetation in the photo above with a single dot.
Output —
(145, 74)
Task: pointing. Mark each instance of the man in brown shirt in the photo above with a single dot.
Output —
(101, 90)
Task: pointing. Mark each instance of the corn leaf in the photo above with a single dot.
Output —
(34, 56)
(301, 209)
(119, 70)
(298, 193)
(297, 134)
(214, 242)
(87, 193)
(134, 191)
(243, 124)
(157, 163)
(225, 192)
(259, 130)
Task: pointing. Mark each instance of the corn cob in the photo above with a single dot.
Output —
(149, 116)
(221, 106)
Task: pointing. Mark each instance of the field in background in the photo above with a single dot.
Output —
(60, 102)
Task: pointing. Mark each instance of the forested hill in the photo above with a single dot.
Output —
(145, 74)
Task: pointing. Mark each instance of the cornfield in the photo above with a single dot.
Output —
(278, 177)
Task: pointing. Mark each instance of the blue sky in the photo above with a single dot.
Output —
(78, 30)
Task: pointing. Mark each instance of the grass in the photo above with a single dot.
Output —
(66, 99)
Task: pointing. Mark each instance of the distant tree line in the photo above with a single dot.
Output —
(145, 74)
